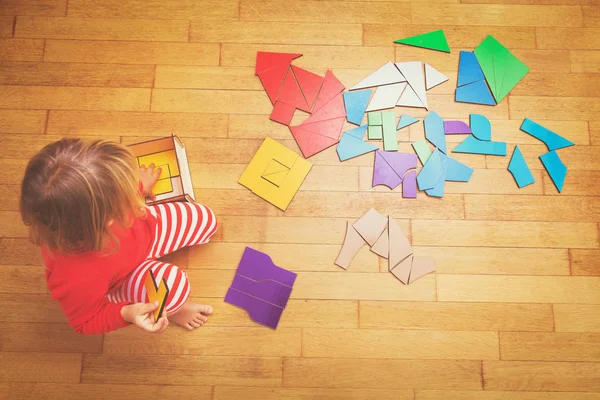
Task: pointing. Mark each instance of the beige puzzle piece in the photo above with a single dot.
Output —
(352, 243)
(421, 266)
(400, 247)
(381, 246)
(402, 270)
(370, 226)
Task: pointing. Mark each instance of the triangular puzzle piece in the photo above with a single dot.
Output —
(359, 132)
(276, 178)
(350, 146)
(309, 84)
(500, 60)
(433, 77)
(352, 244)
(385, 75)
(435, 40)
(515, 71)
(475, 93)
(409, 98)
(421, 266)
(409, 185)
(311, 143)
(386, 96)
(413, 72)
(383, 173)
(275, 167)
(480, 127)
(402, 270)
(422, 149)
(406, 120)
(291, 94)
(282, 113)
(370, 226)
(431, 172)
(400, 247)
(485, 58)
(455, 170)
(356, 105)
(519, 169)
(438, 189)
(330, 128)
(434, 130)
(331, 88)
(555, 168)
(381, 246)
(472, 145)
(469, 70)
(272, 80)
(333, 109)
(156, 292)
(400, 162)
(552, 140)
(267, 60)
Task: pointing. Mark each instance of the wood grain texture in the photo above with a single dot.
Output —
(224, 393)
(154, 9)
(584, 60)
(553, 346)
(568, 38)
(48, 8)
(40, 367)
(6, 26)
(576, 318)
(22, 279)
(19, 252)
(585, 262)
(30, 307)
(35, 337)
(22, 121)
(209, 101)
(499, 395)
(21, 49)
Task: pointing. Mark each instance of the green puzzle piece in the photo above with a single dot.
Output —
(435, 40)
(483, 52)
(515, 71)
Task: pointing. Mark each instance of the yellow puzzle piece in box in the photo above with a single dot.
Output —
(168, 157)
(267, 177)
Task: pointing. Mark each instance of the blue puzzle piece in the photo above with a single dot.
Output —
(350, 146)
(469, 70)
(480, 127)
(431, 172)
(551, 139)
(476, 93)
(455, 170)
(359, 132)
(356, 105)
(434, 131)
(406, 120)
(555, 167)
(519, 169)
(472, 145)
(438, 188)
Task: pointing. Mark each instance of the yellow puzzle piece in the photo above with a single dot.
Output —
(156, 293)
(168, 157)
(267, 176)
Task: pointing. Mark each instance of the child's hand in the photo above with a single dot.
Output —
(142, 316)
(148, 177)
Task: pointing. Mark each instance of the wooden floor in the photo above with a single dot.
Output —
(514, 308)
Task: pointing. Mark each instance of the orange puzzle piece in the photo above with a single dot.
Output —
(156, 293)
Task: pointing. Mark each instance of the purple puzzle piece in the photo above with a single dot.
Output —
(258, 310)
(258, 266)
(409, 185)
(267, 290)
(400, 162)
(456, 128)
(383, 174)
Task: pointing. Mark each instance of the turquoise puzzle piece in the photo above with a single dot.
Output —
(552, 140)
(434, 131)
(406, 120)
(476, 93)
(519, 169)
(431, 172)
(356, 105)
(358, 132)
(438, 189)
(351, 146)
(469, 70)
(555, 167)
(472, 145)
(455, 170)
(480, 127)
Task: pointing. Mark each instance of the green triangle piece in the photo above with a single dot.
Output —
(483, 52)
(500, 56)
(515, 71)
(435, 40)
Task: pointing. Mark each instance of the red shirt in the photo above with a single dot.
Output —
(80, 282)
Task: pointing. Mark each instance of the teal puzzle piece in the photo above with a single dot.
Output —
(551, 139)
(356, 105)
(406, 120)
(519, 169)
(472, 145)
(481, 127)
(555, 167)
(352, 145)
(434, 131)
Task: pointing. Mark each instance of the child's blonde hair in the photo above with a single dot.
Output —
(73, 190)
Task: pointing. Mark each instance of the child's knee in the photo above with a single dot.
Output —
(179, 290)
(206, 221)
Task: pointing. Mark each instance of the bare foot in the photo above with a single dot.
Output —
(191, 315)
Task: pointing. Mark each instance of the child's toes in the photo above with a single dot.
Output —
(199, 321)
(206, 310)
(201, 317)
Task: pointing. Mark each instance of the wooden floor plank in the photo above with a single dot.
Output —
(591, 17)
(19, 252)
(192, 77)
(277, 33)
(499, 395)
(585, 262)
(535, 346)
(576, 157)
(324, 11)
(563, 108)
(494, 261)
(404, 344)
(71, 74)
(121, 52)
(33, 391)
(155, 9)
(102, 29)
(23, 121)
(456, 316)
(381, 373)
(577, 184)
(577, 318)
(22, 279)
(585, 61)
(26, 146)
(30, 307)
(594, 132)
(557, 85)
(55, 338)
(518, 289)
(75, 98)
(548, 376)
(210, 101)
(560, 37)
(40, 367)
(6, 26)
(225, 393)
(22, 49)
(48, 8)
(182, 370)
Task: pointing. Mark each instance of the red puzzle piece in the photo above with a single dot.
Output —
(267, 60)
(291, 94)
(309, 84)
(272, 81)
(334, 109)
(311, 143)
(282, 113)
(330, 128)
(330, 88)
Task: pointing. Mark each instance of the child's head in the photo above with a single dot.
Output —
(74, 190)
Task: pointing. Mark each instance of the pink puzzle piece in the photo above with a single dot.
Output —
(291, 94)
(334, 109)
(330, 88)
(309, 84)
(282, 113)
(330, 128)
(266, 60)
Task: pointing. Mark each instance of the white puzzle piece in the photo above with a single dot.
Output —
(413, 72)
(386, 96)
(409, 98)
(433, 77)
(385, 75)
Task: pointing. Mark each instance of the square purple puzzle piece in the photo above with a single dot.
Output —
(260, 287)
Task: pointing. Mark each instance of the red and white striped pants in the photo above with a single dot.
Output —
(180, 224)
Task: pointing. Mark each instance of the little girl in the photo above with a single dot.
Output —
(84, 205)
